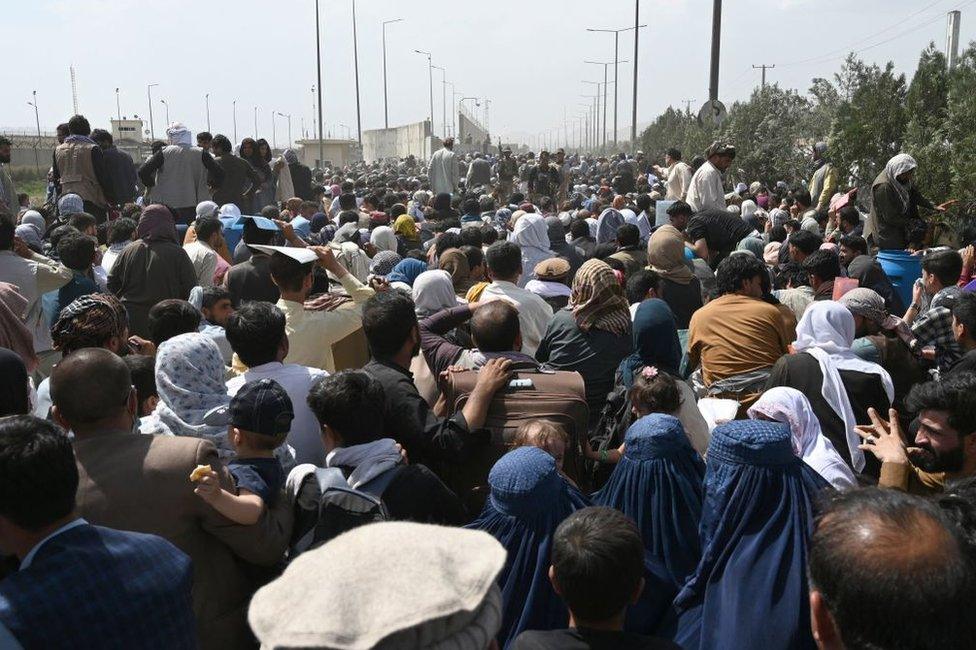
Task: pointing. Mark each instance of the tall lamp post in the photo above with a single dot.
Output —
(163, 102)
(255, 122)
(37, 160)
(606, 65)
(616, 61)
(118, 106)
(206, 99)
(355, 58)
(152, 130)
(633, 117)
(234, 104)
(444, 98)
(274, 132)
(596, 112)
(430, 74)
(318, 64)
(454, 95)
(386, 108)
(288, 116)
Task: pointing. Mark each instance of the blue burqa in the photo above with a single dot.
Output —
(658, 484)
(750, 587)
(655, 341)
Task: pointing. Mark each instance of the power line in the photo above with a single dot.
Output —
(764, 67)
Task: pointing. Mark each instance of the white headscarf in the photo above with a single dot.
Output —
(749, 208)
(531, 232)
(790, 406)
(384, 239)
(826, 332)
(897, 166)
(209, 208)
(433, 291)
(178, 134)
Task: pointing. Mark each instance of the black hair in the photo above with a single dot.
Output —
(82, 221)
(78, 398)
(644, 202)
(143, 373)
(447, 241)
(658, 394)
(823, 264)
(206, 227)
(674, 153)
(639, 283)
(955, 394)
(488, 235)
(494, 327)
(579, 228)
(78, 125)
(802, 197)
(504, 260)
(805, 241)
(388, 320)
(471, 236)
(222, 143)
(205, 136)
(172, 317)
(77, 251)
(255, 331)
(347, 201)
(736, 269)
(271, 212)
(945, 265)
(38, 474)
(604, 251)
(679, 208)
(792, 273)
(778, 234)
(101, 136)
(288, 273)
(476, 256)
(855, 243)
(849, 214)
(934, 576)
(471, 206)
(628, 235)
(347, 402)
(348, 216)
(597, 562)
(121, 230)
(965, 312)
(212, 295)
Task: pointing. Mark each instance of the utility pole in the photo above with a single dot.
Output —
(234, 104)
(207, 99)
(274, 133)
(764, 67)
(288, 116)
(318, 64)
(164, 103)
(255, 122)
(616, 61)
(430, 77)
(37, 119)
(687, 103)
(633, 117)
(152, 131)
(118, 106)
(443, 98)
(355, 57)
(386, 109)
(716, 49)
(952, 40)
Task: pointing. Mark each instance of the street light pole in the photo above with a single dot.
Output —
(152, 130)
(207, 99)
(443, 98)
(118, 106)
(318, 64)
(37, 119)
(386, 108)
(163, 102)
(616, 61)
(633, 117)
(430, 75)
(255, 122)
(274, 132)
(355, 58)
(235, 120)
(289, 127)
(606, 65)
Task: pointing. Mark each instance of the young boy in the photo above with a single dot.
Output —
(258, 420)
(77, 252)
(143, 371)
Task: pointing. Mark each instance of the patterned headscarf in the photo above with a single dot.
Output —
(598, 300)
(383, 263)
(88, 322)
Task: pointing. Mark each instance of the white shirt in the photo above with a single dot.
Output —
(204, 261)
(108, 257)
(534, 312)
(33, 278)
(305, 435)
(706, 190)
(679, 179)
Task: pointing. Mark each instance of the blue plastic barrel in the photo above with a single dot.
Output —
(902, 269)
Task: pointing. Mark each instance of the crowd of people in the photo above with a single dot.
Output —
(488, 400)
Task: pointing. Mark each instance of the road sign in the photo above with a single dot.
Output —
(712, 113)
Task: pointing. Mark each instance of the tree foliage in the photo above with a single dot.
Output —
(927, 111)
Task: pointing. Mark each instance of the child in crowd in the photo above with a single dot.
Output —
(545, 435)
(258, 420)
(77, 252)
(143, 371)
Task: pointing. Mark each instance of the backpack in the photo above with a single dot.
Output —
(327, 506)
(615, 418)
(558, 396)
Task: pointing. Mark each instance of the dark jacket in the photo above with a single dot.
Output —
(251, 280)
(890, 220)
(147, 273)
(122, 174)
(240, 180)
(301, 180)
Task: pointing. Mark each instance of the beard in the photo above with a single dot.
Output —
(929, 460)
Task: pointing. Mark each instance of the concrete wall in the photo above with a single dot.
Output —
(399, 142)
(337, 152)
(471, 134)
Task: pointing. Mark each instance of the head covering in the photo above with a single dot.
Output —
(666, 255)
(754, 245)
(230, 211)
(290, 156)
(658, 484)
(209, 209)
(607, 226)
(88, 321)
(757, 518)
(301, 226)
(70, 204)
(384, 239)
(437, 592)
(14, 386)
(771, 253)
(531, 232)
(442, 202)
(433, 291)
(720, 148)
(894, 168)
(598, 300)
(407, 271)
(319, 221)
(36, 219)
(655, 341)
(14, 334)
(456, 263)
(349, 232)
(826, 332)
(156, 224)
(748, 210)
(180, 135)
(779, 216)
(553, 269)
(528, 500)
(754, 187)
(791, 407)
(30, 235)
(406, 227)
(501, 218)
(190, 379)
(383, 263)
(869, 304)
(557, 234)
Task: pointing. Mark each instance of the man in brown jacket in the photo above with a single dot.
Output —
(79, 168)
(141, 483)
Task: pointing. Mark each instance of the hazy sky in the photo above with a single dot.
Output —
(525, 55)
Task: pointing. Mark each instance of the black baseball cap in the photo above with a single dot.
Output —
(261, 406)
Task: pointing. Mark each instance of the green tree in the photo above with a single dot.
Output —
(961, 128)
(927, 112)
(675, 128)
(824, 99)
(870, 121)
(768, 133)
